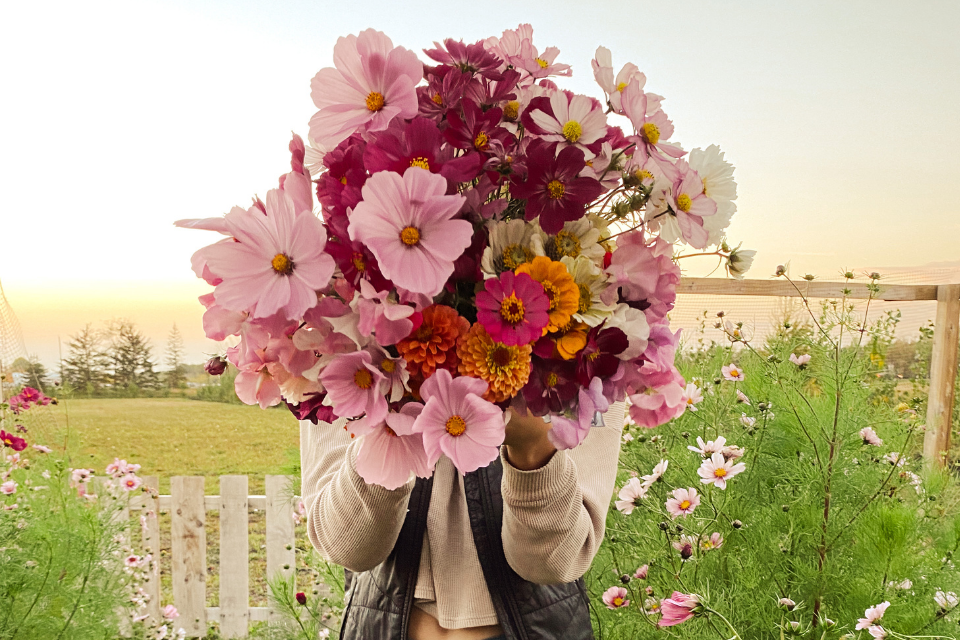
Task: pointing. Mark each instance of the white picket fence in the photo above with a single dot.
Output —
(187, 506)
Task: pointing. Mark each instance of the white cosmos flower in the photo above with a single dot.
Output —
(718, 185)
(946, 600)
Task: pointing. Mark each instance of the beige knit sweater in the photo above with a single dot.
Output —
(553, 518)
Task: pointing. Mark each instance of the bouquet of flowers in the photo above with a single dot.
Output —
(486, 242)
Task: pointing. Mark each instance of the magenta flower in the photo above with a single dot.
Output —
(599, 357)
(553, 189)
(717, 470)
(615, 598)
(468, 58)
(12, 441)
(476, 130)
(678, 608)
(353, 387)
(513, 308)
(683, 502)
(419, 144)
(457, 422)
(391, 451)
(552, 386)
(338, 188)
(277, 263)
(373, 83)
(407, 222)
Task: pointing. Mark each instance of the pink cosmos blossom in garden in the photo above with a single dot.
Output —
(872, 615)
(800, 360)
(602, 64)
(615, 598)
(573, 120)
(715, 541)
(353, 387)
(742, 398)
(732, 452)
(408, 223)
(277, 263)
(678, 608)
(877, 632)
(732, 372)
(81, 475)
(870, 437)
(707, 449)
(631, 492)
(170, 612)
(372, 83)
(747, 421)
(458, 423)
(716, 470)
(645, 273)
(130, 482)
(391, 451)
(132, 561)
(658, 470)
(513, 308)
(8, 488)
(381, 317)
(42, 448)
(14, 442)
(641, 573)
(653, 129)
(682, 502)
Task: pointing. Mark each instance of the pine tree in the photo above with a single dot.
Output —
(34, 370)
(176, 375)
(131, 359)
(85, 370)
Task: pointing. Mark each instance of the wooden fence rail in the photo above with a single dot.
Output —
(187, 506)
(943, 362)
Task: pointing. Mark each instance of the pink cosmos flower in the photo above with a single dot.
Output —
(407, 222)
(870, 437)
(515, 47)
(684, 209)
(170, 612)
(381, 317)
(615, 598)
(653, 129)
(130, 482)
(42, 448)
(707, 449)
(732, 452)
(457, 422)
(716, 470)
(742, 398)
(641, 573)
(683, 502)
(645, 273)
(800, 360)
(81, 475)
(747, 421)
(390, 452)
(656, 474)
(678, 608)
(631, 492)
(8, 488)
(513, 308)
(877, 632)
(373, 83)
(569, 432)
(715, 541)
(872, 615)
(258, 384)
(686, 545)
(602, 64)
(132, 561)
(574, 120)
(277, 263)
(14, 442)
(692, 396)
(353, 387)
(732, 372)
(658, 405)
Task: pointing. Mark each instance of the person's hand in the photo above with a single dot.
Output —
(526, 442)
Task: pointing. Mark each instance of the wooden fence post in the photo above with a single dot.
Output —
(188, 544)
(234, 557)
(943, 375)
(281, 557)
(151, 543)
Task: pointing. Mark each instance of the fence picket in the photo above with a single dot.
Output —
(151, 543)
(943, 375)
(234, 611)
(280, 531)
(189, 553)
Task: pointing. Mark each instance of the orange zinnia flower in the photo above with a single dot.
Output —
(561, 290)
(433, 344)
(505, 369)
(573, 339)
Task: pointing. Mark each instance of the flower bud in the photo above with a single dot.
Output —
(215, 366)
(625, 579)
(301, 597)
(736, 524)
(787, 604)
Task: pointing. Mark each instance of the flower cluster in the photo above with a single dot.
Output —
(486, 241)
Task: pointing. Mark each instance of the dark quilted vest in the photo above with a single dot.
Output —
(379, 601)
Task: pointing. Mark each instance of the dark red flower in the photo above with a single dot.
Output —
(475, 129)
(489, 93)
(338, 188)
(468, 58)
(302, 597)
(599, 358)
(357, 263)
(552, 386)
(215, 366)
(312, 409)
(419, 144)
(553, 189)
(444, 91)
(12, 441)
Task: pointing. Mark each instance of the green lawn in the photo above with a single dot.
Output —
(177, 436)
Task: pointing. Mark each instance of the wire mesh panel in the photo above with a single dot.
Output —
(11, 342)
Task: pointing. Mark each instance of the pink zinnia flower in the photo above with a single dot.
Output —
(683, 502)
(457, 422)
(871, 615)
(277, 262)
(513, 308)
(615, 598)
(407, 222)
(732, 372)
(870, 437)
(631, 492)
(390, 452)
(800, 360)
(130, 482)
(678, 608)
(8, 488)
(353, 387)
(373, 83)
(170, 612)
(641, 573)
(716, 470)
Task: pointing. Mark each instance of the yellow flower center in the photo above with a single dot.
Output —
(618, 601)
(555, 188)
(410, 236)
(358, 262)
(720, 472)
(734, 373)
(572, 131)
(650, 133)
(552, 379)
(375, 101)
(363, 379)
(685, 504)
(543, 63)
(421, 162)
(389, 366)
(343, 180)
(480, 142)
(684, 202)
(593, 356)
(586, 299)
(390, 432)
(511, 309)
(690, 401)
(621, 87)
(511, 110)
(553, 295)
(282, 264)
(515, 255)
(642, 174)
(456, 426)
(567, 244)
(437, 99)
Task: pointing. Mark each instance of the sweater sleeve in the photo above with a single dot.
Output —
(554, 517)
(350, 522)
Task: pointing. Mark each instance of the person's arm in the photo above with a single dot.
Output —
(554, 515)
(350, 522)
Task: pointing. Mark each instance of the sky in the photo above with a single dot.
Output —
(121, 117)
